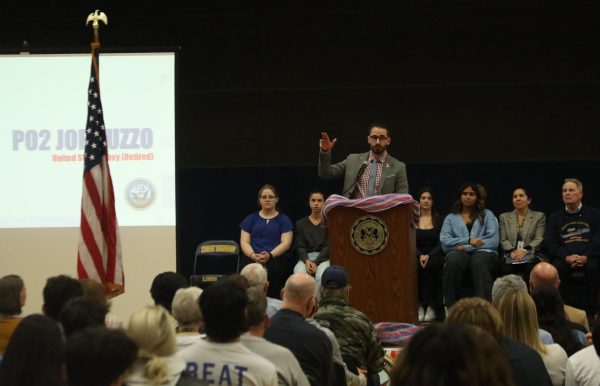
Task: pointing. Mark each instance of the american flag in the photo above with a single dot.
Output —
(99, 249)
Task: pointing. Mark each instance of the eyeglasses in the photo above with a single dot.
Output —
(381, 138)
(267, 197)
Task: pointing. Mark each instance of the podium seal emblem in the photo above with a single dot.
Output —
(369, 235)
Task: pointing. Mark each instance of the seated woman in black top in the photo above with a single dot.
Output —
(310, 240)
(430, 259)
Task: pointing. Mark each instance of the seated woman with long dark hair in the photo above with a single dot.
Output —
(266, 238)
(430, 258)
(552, 318)
(35, 355)
(469, 238)
(521, 235)
(310, 240)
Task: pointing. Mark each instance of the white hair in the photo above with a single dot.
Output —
(255, 273)
(185, 306)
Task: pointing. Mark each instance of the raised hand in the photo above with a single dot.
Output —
(325, 143)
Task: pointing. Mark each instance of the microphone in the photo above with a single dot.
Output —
(361, 171)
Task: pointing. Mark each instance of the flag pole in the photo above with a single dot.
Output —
(99, 254)
(95, 17)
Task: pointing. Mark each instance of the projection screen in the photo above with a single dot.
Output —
(43, 107)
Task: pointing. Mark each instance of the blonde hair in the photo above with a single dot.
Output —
(518, 312)
(154, 334)
(476, 312)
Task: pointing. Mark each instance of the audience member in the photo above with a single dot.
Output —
(518, 313)
(469, 237)
(353, 330)
(545, 273)
(288, 328)
(289, 371)
(12, 300)
(81, 312)
(521, 235)
(164, 286)
(266, 238)
(527, 366)
(504, 284)
(186, 312)
(451, 354)
(98, 356)
(337, 377)
(221, 359)
(35, 354)
(552, 318)
(95, 290)
(256, 274)
(365, 174)
(482, 193)
(572, 240)
(58, 291)
(430, 259)
(311, 244)
(583, 367)
(152, 331)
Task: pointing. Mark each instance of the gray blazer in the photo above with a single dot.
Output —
(393, 174)
(532, 233)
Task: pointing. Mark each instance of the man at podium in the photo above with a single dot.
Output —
(366, 174)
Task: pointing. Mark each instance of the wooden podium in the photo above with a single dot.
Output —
(384, 285)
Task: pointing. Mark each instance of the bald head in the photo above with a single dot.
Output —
(299, 290)
(544, 273)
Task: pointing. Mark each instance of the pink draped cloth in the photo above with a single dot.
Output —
(372, 204)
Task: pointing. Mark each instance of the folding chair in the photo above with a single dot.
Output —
(214, 259)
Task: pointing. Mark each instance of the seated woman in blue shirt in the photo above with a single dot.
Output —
(469, 237)
(266, 237)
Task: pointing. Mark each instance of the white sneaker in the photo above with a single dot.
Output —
(421, 314)
(429, 315)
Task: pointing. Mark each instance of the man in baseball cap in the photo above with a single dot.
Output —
(336, 314)
(335, 277)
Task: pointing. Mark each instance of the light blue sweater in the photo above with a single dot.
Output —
(454, 233)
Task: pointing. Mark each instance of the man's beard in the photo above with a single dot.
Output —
(377, 149)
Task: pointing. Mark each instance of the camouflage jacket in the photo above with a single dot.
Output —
(353, 330)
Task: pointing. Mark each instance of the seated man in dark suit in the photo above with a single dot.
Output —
(572, 240)
(288, 328)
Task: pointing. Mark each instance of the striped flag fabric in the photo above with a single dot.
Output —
(99, 249)
(372, 204)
